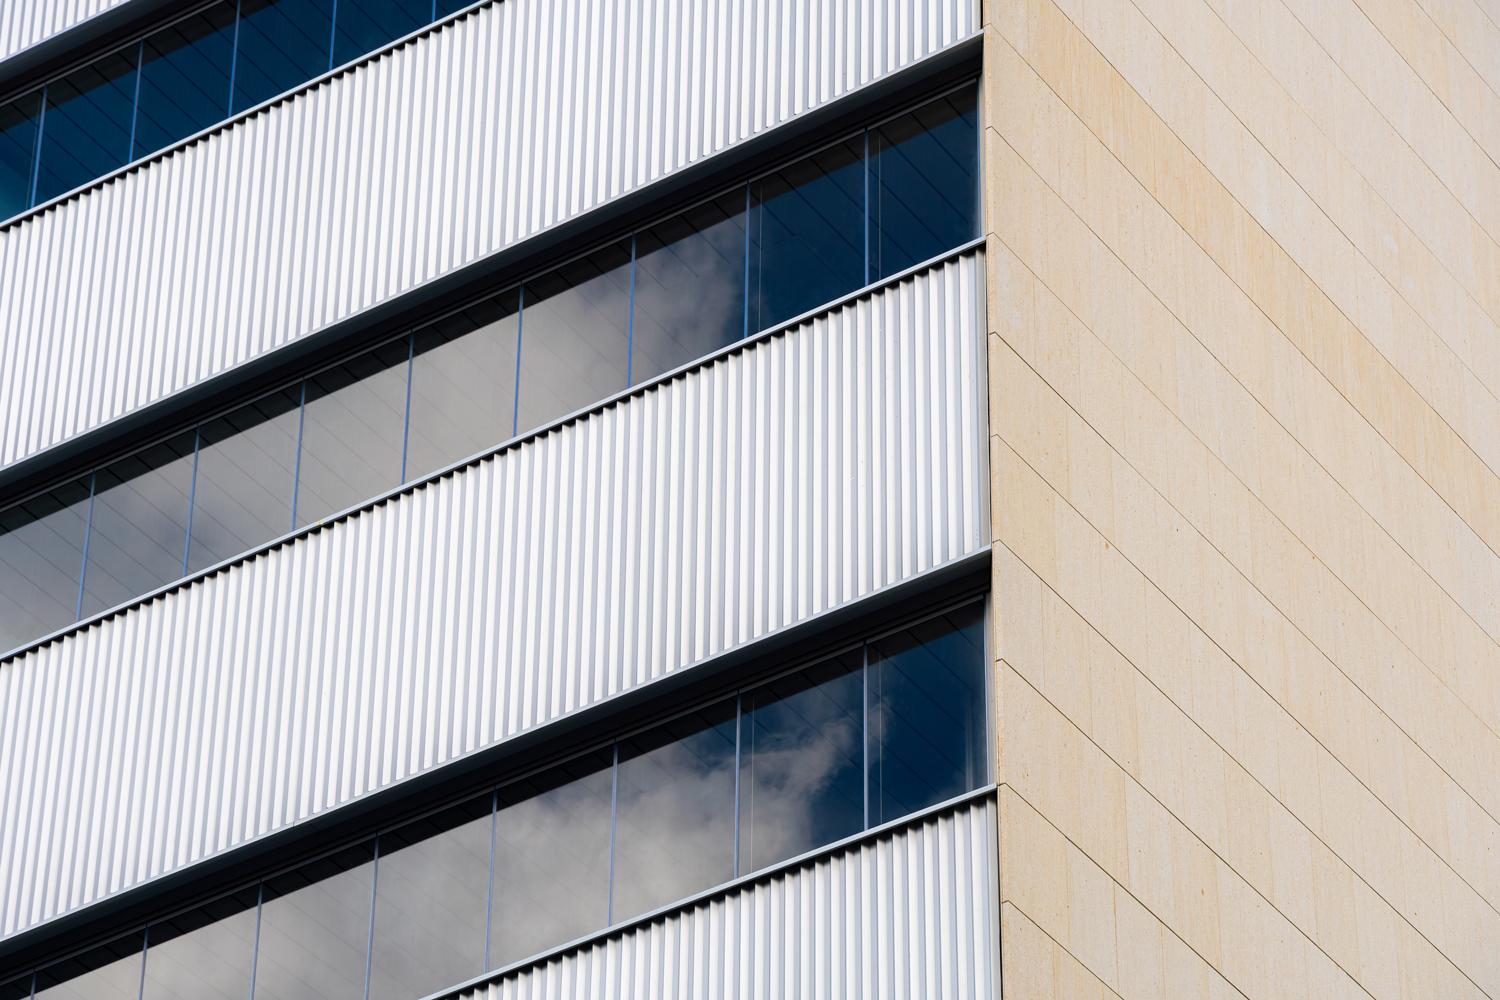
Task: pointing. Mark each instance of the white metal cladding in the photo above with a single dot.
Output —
(910, 914)
(769, 485)
(24, 23)
(465, 140)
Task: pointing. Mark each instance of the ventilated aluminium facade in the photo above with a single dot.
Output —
(749, 498)
(545, 536)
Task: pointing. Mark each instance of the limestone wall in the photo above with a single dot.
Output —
(1244, 303)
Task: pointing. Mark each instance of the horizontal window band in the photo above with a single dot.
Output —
(917, 346)
(729, 888)
(77, 46)
(863, 107)
(532, 750)
(229, 121)
(972, 247)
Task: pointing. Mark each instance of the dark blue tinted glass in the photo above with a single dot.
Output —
(86, 131)
(802, 772)
(18, 127)
(575, 336)
(109, 972)
(16, 989)
(282, 43)
(315, 929)
(807, 234)
(927, 714)
(551, 858)
(353, 431)
(247, 469)
(204, 954)
(41, 556)
(138, 524)
(674, 817)
(463, 384)
(924, 184)
(431, 896)
(361, 26)
(689, 287)
(184, 79)
(442, 8)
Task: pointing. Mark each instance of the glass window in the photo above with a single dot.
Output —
(575, 336)
(552, 836)
(184, 79)
(689, 287)
(432, 886)
(138, 524)
(18, 126)
(807, 234)
(282, 43)
(205, 954)
(362, 26)
(87, 128)
(802, 770)
(923, 184)
(315, 929)
(109, 972)
(927, 714)
(41, 557)
(442, 8)
(353, 431)
(674, 820)
(463, 384)
(16, 989)
(247, 468)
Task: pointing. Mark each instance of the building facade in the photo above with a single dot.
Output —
(759, 498)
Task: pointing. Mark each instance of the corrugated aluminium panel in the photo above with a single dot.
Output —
(465, 140)
(912, 913)
(24, 23)
(769, 485)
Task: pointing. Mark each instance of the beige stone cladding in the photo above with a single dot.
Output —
(1244, 314)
